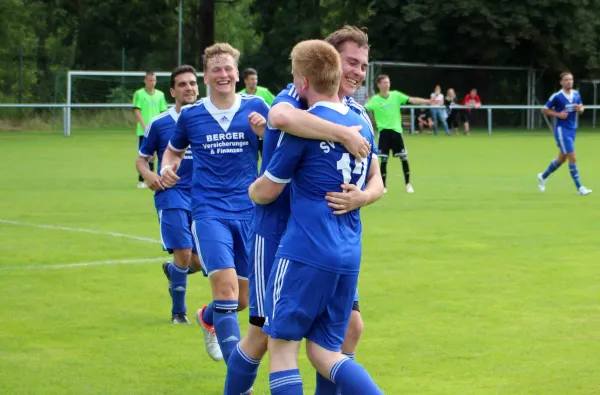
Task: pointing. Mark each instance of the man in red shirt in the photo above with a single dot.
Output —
(471, 99)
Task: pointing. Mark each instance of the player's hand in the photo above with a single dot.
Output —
(153, 182)
(168, 176)
(257, 123)
(356, 144)
(562, 115)
(579, 108)
(350, 199)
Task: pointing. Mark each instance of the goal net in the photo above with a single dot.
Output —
(104, 98)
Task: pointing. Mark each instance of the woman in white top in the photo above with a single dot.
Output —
(438, 114)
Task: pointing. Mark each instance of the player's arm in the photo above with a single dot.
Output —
(257, 123)
(174, 154)
(549, 110)
(136, 110)
(146, 153)
(418, 100)
(303, 124)
(279, 172)
(264, 190)
(579, 106)
(352, 197)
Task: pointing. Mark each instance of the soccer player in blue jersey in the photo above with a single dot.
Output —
(222, 131)
(564, 105)
(271, 220)
(311, 289)
(173, 205)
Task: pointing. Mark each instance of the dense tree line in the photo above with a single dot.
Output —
(57, 35)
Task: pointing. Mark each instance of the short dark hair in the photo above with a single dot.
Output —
(381, 77)
(357, 35)
(184, 68)
(248, 72)
(566, 72)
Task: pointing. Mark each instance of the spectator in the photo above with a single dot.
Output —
(453, 115)
(424, 120)
(472, 100)
(438, 114)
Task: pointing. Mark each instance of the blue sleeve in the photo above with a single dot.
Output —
(285, 96)
(150, 143)
(262, 107)
(179, 140)
(578, 101)
(551, 102)
(286, 158)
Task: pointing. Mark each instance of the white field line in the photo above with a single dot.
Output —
(83, 264)
(81, 230)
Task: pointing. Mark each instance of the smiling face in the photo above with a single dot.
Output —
(186, 89)
(221, 74)
(355, 60)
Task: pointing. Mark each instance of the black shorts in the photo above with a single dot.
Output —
(466, 116)
(391, 140)
(453, 119)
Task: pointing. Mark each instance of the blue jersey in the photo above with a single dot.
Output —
(561, 101)
(270, 220)
(225, 151)
(314, 235)
(156, 138)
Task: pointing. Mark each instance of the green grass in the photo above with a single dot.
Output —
(476, 284)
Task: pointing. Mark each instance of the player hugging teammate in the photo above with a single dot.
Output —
(325, 157)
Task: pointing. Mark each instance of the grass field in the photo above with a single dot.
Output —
(476, 284)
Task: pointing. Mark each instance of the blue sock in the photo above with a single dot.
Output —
(207, 315)
(178, 284)
(286, 382)
(551, 168)
(575, 174)
(241, 372)
(325, 386)
(227, 327)
(352, 378)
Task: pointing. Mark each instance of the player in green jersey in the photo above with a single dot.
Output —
(252, 88)
(385, 107)
(147, 104)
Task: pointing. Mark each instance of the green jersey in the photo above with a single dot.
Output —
(387, 110)
(150, 105)
(262, 92)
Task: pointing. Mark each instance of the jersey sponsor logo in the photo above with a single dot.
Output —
(225, 143)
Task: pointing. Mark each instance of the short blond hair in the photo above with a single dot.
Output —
(220, 49)
(348, 33)
(320, 63)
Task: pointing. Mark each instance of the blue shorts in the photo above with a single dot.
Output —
(176, 230)
(356, 296)
(565, 139)
(224, 244)
(264, 256)
(305, 302)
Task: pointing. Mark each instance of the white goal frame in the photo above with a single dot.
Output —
(72, 73)
(531, 78)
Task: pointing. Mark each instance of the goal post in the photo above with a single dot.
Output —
(517, 83)
(118, 78)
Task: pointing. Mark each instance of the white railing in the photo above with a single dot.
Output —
(488, 108)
